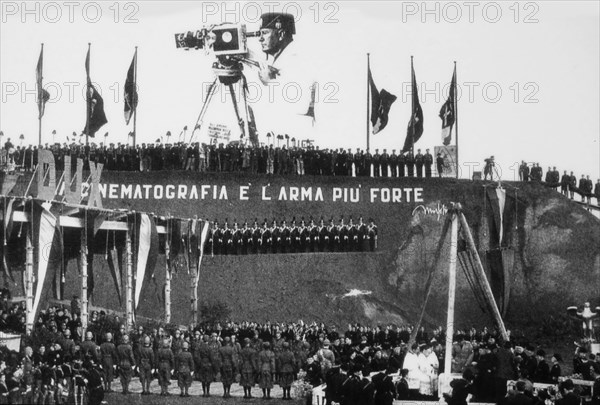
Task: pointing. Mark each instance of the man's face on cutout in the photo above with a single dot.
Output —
(270, 40)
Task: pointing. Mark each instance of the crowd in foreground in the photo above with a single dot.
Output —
(360, 365)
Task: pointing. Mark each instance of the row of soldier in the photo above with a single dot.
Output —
(569, 185)
(232, 157)
(294, 238)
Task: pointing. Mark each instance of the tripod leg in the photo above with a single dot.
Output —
(237, 111)
(211, 92)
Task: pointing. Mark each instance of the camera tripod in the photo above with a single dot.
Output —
(228, 75)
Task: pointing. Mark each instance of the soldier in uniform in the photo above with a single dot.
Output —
(237, 237)
(323, 237)
(295, 240)
(572, 185)
(394, 163)
(256, 234)
(564, 184)
(419, 160)
(410, 164)
(126, 363)
(108, 354)
(428, 162)
(286, 237)
(248, 368)
(246, 239)
(89, 347)
(276, 237)
(368, 159)
(304, 236)
(286, 368)
(314, 236)
(439, 161)
(204, 364)
(352, 236)
(266, 366)
(227, 242)
(228, 369)
(93, 378)
(376, 164)
(384, 160)
(266, 238)
(344, 238)
(401, 164)
(184, 364)
(217, 238)
(372, 230)
(166, 362)
(146, 365)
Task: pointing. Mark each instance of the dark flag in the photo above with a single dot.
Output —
(42, 95)
(95, 118)
(380, 106)
(130, 90)
(415, 125)
(447, 113)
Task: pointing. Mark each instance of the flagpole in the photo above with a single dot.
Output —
(88, 99)
(412, 106)
(456, 117)
(135, 93)
(42, 100)
(368, 100)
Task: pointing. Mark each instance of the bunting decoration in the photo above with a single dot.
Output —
(47, 248)
(146, 251)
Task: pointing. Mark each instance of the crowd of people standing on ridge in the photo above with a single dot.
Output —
(235, 157)
(568, 183)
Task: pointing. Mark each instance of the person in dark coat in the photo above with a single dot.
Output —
(461, 389)
(266, 369)
(286, 369)
(228, 368)
(519, 397)
(542, 371)
(568, 396)
(166, 362)
(109, 358)
(385, 391)
(248, 368)
(555, 371)
(146, 365)
(402, 391)
(95, 386)
(184, 364)
(126, 363)
(351, 389)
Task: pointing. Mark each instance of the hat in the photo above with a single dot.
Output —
(567, 385)
(278, 21)
(558, 357)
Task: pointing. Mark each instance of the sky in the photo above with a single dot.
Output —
(528, 73)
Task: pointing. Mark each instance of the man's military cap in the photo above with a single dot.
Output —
(278, 21)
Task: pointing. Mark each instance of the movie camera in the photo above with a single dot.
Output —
(227, 41)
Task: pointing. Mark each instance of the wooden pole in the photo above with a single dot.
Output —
(135, 92)
(40, 102)
(88, 99)
(167, 277)
(456, 117)
(480, 274)
(128, 282)
(84, 278)
(451, 294)
(368, 100)
(29, 281)
(194, 296)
